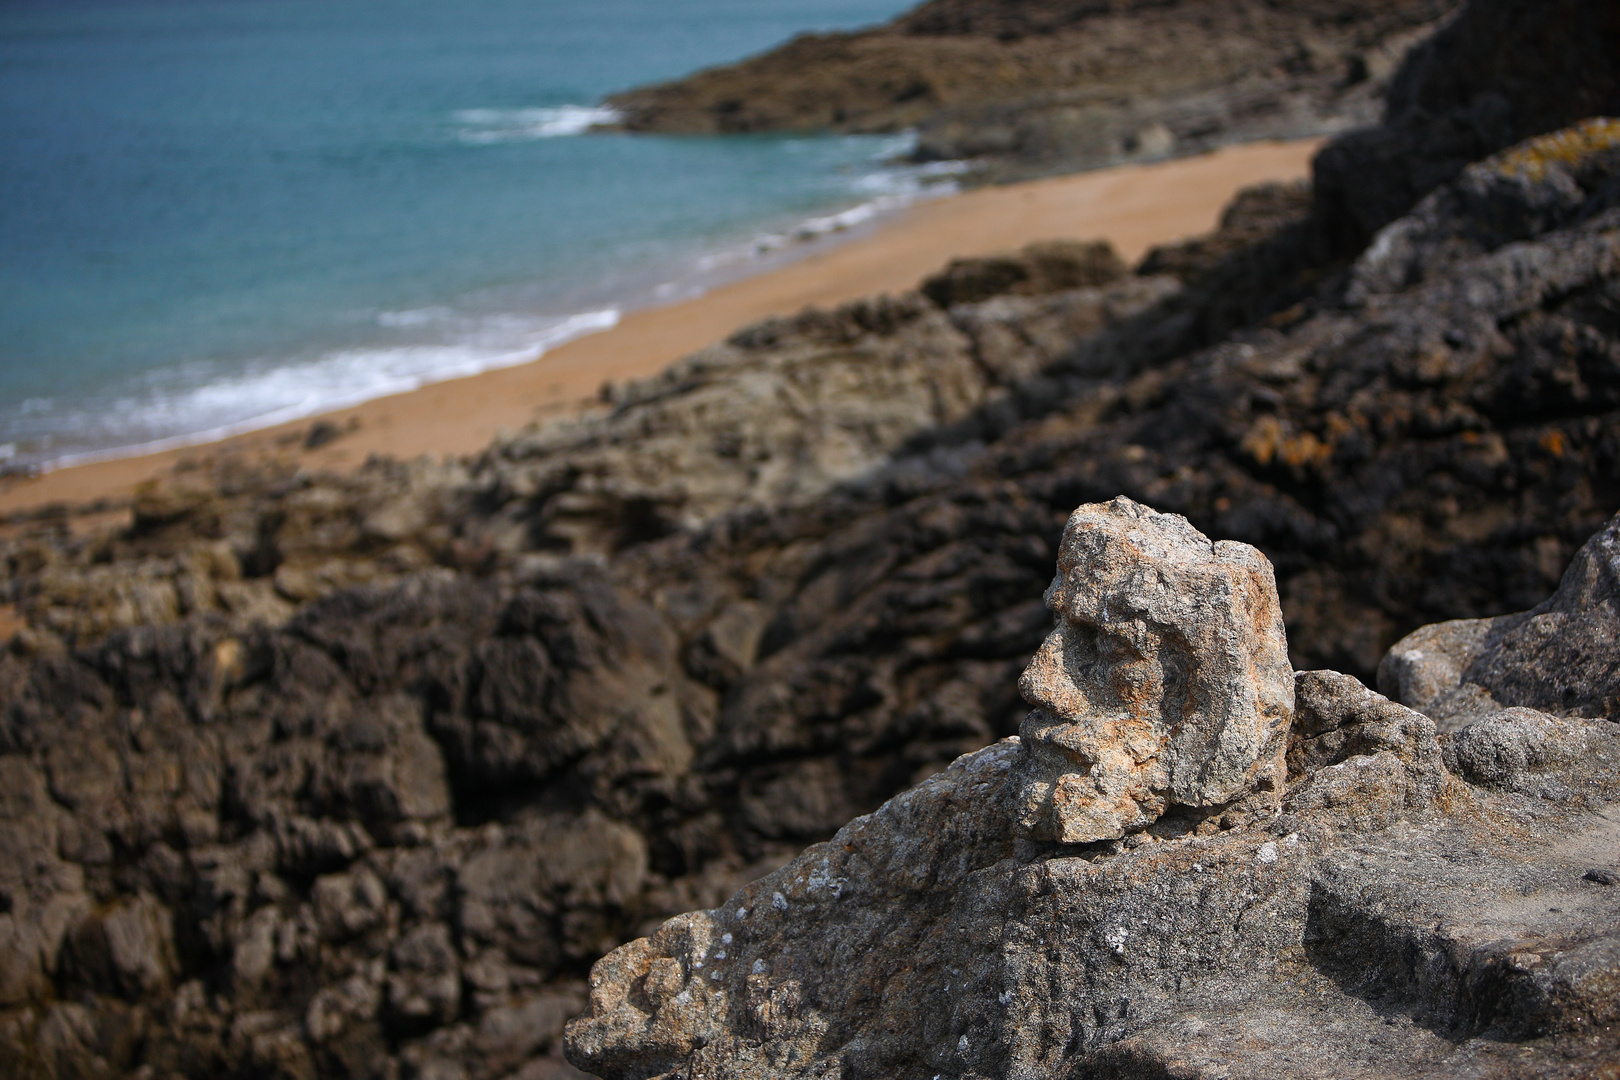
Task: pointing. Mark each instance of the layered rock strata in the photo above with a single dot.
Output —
(1036, 87)
(1407, 906)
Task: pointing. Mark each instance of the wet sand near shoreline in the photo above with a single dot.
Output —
(1133, 206)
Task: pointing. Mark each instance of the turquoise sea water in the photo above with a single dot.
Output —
(216, 214)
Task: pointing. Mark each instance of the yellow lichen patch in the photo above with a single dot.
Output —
(1338, 426)
(1304, 449)
(1553, 443)
(1268, 440)
(1532, 159)
(10, 621)
(227, 662)
(1262, 439)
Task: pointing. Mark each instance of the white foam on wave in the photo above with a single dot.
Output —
(267, 395)
(894, 189)
(416, 317)
(519, 125)
(459, 343)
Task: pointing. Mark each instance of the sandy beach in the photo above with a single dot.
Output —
(1134, 207)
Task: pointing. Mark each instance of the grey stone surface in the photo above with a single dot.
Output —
(1530, 752)
(1558, 657)
(1164, 684)
(1384, 918)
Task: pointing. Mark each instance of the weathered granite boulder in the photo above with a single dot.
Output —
(1560, 657)
(1164, 684)
(1386, 918)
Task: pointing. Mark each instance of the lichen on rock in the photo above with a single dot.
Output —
(1371, 912)
(1164, 683)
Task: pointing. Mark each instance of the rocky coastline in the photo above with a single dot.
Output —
(1059, 85)
(358, 775)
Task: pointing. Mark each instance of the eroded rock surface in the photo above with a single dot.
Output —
(1499, 72)
(1559, 657)
(1164, 684)
(1385, 917)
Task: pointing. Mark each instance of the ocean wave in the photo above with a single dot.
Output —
(415, 317)
(519, 125)
(202, 403)
(895, 188)
(268, 395)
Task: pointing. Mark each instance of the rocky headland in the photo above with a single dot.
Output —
(1063, 84)
(311, 774)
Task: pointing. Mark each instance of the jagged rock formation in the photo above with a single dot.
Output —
(1394, 916)
(1498, 73)
(1554, 657)
(776, 415)
(313, 775)
(1064, 84)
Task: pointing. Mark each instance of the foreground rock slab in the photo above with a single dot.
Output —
(1406, 908)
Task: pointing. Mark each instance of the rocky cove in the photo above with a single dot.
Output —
(360, 774)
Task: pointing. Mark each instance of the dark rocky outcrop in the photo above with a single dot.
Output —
(1498, 73)
(1046, 266)
(1066, 84)
(1379, 913)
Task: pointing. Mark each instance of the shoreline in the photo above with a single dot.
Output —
(1133, 206)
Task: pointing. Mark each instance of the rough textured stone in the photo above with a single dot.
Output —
(1380, 921)
(1164, 684)
(1508, 749)
(1500, 72)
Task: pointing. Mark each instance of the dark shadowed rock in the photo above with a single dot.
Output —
(1042, 267)
(1500, 72)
